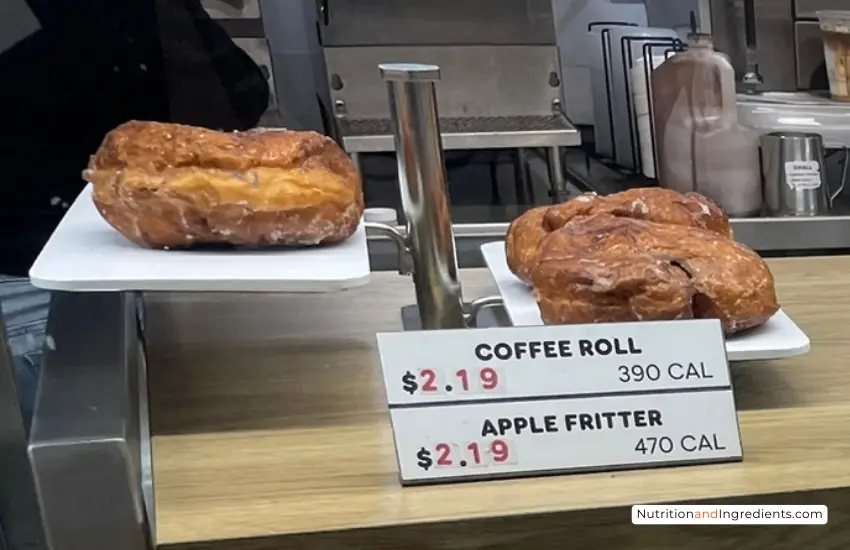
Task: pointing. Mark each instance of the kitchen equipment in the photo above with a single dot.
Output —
(835, 26)
(500, 82)
(794, 174)
(700, 144)
(779, 337)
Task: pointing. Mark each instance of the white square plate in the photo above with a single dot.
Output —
(85, 254)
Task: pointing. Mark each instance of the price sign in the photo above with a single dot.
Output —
(500, 439)
(534, 400)
(472, 365)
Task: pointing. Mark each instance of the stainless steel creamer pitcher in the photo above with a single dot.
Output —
(794, 174)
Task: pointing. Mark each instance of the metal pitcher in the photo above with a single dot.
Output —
(793, 174)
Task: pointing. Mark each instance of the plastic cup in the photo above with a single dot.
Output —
(835, 27)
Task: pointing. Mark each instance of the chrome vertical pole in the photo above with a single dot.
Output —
(424, 195)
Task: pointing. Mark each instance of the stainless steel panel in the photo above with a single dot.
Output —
(232, 9)
(468, 133)
(437, 22)
(477, 80)
(88, 434)
(19, 512)
(809, 54)
(258, 50)
(301, 85)
(774, 32)
(809, 8)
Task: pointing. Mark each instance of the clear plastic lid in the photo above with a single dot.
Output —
(834, 20)
(797, 112)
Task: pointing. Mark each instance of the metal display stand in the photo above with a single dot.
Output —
(90, 442)
(20, 517)
(90, 449)
(429, 238)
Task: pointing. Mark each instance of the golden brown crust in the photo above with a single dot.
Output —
(169, 185)
(651, 204)
(523, 239)
(603, 268)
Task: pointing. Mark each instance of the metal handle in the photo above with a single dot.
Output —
(844, 171)
(422, 181)
(405, 260)
(476, 306)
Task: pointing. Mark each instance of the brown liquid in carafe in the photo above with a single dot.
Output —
(699, 142)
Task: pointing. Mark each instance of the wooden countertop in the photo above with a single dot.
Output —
(278, 436)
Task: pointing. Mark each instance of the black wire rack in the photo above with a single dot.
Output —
(650, 47)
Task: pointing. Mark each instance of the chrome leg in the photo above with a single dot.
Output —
(557, 180)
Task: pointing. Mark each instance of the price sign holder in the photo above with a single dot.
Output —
(525, 401)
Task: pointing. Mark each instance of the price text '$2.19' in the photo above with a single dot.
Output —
(469, 455)
(437, 381)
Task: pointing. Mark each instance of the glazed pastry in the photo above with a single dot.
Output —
(603, 268)
(169, 185)
(652, 204)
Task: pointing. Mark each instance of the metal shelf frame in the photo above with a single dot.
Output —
(85, 473)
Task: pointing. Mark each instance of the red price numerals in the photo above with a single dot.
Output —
(486, 379)
(474, 454)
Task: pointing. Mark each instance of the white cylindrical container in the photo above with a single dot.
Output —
(640, 101)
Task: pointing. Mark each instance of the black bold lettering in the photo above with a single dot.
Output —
(505, 425)
(520, 349)
(483, 352)
(520, 423)
(603, 347)
(502, 351)
(655, 417)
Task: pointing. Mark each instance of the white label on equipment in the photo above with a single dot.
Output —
(497, 439)
(552, 361)
(801, 175)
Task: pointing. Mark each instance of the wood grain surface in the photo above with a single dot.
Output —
(271, 431)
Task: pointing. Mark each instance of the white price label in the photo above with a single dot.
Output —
(499, 439)
(552, 361)
(803, 174)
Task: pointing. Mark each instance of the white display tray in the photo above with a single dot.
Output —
(777, 338)
(85, 254)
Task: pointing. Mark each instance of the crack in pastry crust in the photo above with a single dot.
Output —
(169, 185)
(651, 204)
